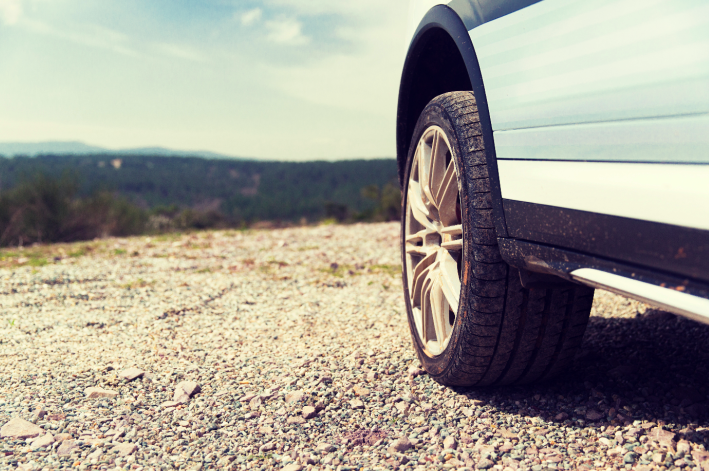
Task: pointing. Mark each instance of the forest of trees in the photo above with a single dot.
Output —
(69, 197)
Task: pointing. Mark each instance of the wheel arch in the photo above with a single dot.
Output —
(441, 43)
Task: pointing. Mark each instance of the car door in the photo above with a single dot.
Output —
(600, 113)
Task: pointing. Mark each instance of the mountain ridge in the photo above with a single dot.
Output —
(34, 149)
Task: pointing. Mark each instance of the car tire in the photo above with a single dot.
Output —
(482, 328)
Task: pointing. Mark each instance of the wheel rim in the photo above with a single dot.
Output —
(433, 241)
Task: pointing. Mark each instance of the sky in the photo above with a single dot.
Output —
(278, 79)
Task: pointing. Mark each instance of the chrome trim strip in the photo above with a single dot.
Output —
(684, 304)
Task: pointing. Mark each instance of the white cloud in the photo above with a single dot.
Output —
(10, 11)
(250, 17)
(286, 31)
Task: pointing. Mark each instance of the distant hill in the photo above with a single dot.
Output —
(33, 149)
(242, 190)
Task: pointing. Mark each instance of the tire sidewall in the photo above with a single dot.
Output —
(436, 115)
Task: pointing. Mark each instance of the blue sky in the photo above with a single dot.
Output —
(285, 79)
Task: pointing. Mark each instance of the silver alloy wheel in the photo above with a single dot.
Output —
(434, 243)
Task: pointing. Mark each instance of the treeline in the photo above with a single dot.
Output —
(63, 198)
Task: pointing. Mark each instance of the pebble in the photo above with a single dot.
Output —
(309, 412)
(42, 441)
(267, 447)
(99, 393)
(255, 402)
(66, 447)
(325, 447)
(400, 445)
(125, 449)
(18, 428)
(356, 404)
(185, 390)
(129, 374)
(294, 396)
(450, 443)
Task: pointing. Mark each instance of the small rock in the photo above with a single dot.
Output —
(267, 447)
(561, 416)
(400, 445)
(167, 404)
(485, 464)
(325, 447)
(415, 371)
(255, 403)
(125, 449)
(700, 456)
(309, 412)
(372, 376)
(60, 437)
(360, 391)
(19, 429)
(185, 390)
(247, 397)
(616, 451)
(630, 457)
(661, 435)
(42, 441)
(129, 374)
(478, 402)
(225, 460)
(506, 448)
(40, 413)
(356, 404)
(594, 415)
(450, 443)
(94, 457)
(295, 420)
(292, 467)
(294, 396)
(66, 447)
(401, 406)
(604, 441)
(683, 446)
(99, 393)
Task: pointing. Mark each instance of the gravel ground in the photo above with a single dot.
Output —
(289, 349)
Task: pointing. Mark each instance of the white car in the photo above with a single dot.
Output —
(547, 148)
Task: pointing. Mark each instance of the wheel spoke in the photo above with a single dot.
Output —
(438, 166)
(447, 197)
(452, 245)
(416, 250)
(418, 208)
(453, 230)
(424, 169)
(439, 311)
(419, 276)
(450, 281)
(427, 315)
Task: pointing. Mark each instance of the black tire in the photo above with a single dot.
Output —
(503, 333)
